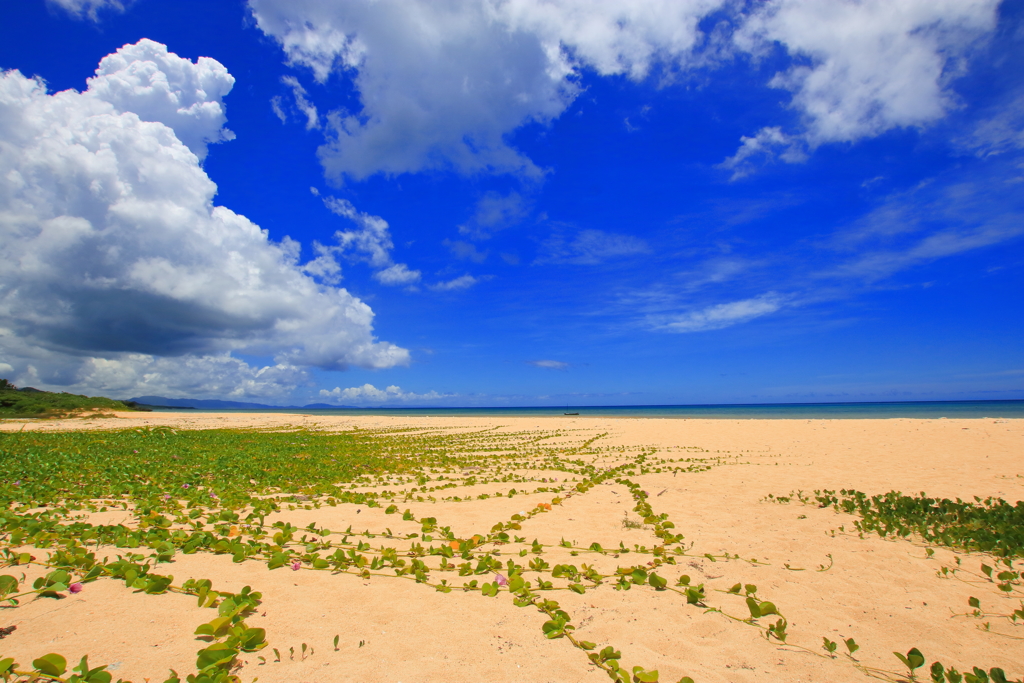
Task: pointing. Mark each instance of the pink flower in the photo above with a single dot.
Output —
(502, 581)
(296, 565)
(75, 588)
(184, 486)
(167, 496)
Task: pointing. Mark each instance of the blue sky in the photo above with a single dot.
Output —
(513, 202)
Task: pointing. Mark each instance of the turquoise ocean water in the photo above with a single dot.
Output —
(915, 409)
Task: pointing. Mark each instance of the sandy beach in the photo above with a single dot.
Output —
(889, 595)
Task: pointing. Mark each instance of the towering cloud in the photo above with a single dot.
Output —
(114, 250)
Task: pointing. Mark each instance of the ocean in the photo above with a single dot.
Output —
(810, 411)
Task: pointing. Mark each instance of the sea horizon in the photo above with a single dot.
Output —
(970, 409)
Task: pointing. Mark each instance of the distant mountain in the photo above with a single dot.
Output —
(213, 404)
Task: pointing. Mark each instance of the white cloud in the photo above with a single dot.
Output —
(276, 103)
(156, 85)
(549, 364)
(764, 146)
(464, 250)
(721, 315)
(112, 244)
(442, 84)
(371, 242)
(461, 282)
(397, 274)
(494, 212)
(862, 68)
(591, 247)
(963, 210)
(999, 133)
(304, 105)
(368, 392)
(81, 9)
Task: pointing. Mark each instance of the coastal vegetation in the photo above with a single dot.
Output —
(30, 402)
(213, 492)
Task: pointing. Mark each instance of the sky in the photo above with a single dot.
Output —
(513, 202)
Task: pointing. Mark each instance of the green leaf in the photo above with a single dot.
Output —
(755, 611)
(974, 602)
(642, 676)
(767, 608)
(851, 645)
(98, 675)
(737, 588)
(8, 584)
(657, 582)
(6, 665)
(577, 588)
(51, 664)
(215, 628)
(215, 655)
(253, 639)
(587, 645)
(912, 660)
(552, 629)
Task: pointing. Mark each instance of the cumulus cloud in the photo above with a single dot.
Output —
(461, 282)
(721, 315)
(590, 247)
(548, 364)
(113, 246)
(90, 9)
(368, 392)
(156, 85)
(862, 68)
(443, 84)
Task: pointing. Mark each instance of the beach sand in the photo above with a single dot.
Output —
(886, 594)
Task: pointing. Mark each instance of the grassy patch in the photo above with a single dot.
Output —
(29, 402)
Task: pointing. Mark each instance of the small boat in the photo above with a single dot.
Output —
(570, 413)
